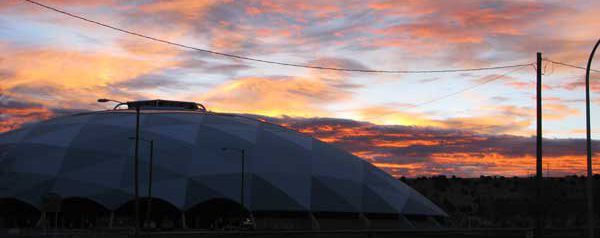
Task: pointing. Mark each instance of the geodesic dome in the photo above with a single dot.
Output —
(90, 155)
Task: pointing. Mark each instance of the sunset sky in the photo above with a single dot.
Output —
(408, 124)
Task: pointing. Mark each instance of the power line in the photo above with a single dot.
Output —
(269, 61)
(569, 65)
(468, 88)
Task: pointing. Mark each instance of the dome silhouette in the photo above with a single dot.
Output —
(89, 155)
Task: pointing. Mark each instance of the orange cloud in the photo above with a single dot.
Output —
(274, 96)
(13, 118)
(424, 151)
(69, 77)
(189, 9)
(503, 119)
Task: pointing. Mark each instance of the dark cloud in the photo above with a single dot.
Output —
(500, 98)
(198, 62)
(15, 113)
(6, 74)
(163, 80)
(431, 147)
(36, 91)
(149, 81)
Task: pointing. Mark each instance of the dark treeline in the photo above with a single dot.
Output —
(503, 202)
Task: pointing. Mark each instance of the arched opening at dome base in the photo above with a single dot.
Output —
(218, 214)
(82, 213)
(162, 215)
(15, 213)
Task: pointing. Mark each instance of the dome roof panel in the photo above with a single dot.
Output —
(335, 163)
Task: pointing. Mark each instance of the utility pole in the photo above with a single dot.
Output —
(538, 175)
(590, 172)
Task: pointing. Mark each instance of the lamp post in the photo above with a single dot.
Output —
(135, 163)
(150, 170)
(590, 172)
(243, 154)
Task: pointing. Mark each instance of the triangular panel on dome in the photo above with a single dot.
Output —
(332, 162)
(173, 191)
(159, 174)
(209, 153)
(213, 137)
(381, 183)
(106, 173)
(234, 125)
(158, 118)
(295, 137)
(31, 188)
(219, 162)
(112, 198)
(283, 164)
(14, 136)
(226, 185)
(372, 202)
(197, 193)
(416, 204)
(58, 135)
(248, 133)
(247, 121)
(76, 159)
(168, 155)
(123, 119)
(76, 188)
(186, 133)
(180, 118)
(104, 139)
(36, 159)
(75, 119)
(325, 199)
(13, 183)
(170, 127)
(264, 196)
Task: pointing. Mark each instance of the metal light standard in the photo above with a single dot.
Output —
(590, 172)
(243, 153)
(136, 163)
(150, 170)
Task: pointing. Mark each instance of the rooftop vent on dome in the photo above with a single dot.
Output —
(159, 104)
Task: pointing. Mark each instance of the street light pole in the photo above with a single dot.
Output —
(135, 163)
(590, 172)
(149, 211)
(243, 154)
(136, 171)
(242, 191)
(150, 172)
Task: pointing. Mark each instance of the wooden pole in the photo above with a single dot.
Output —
(538, 175)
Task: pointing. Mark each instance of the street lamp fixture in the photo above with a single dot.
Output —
(119, 103)
(243, 157)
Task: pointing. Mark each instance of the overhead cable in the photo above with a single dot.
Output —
(240, 57)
